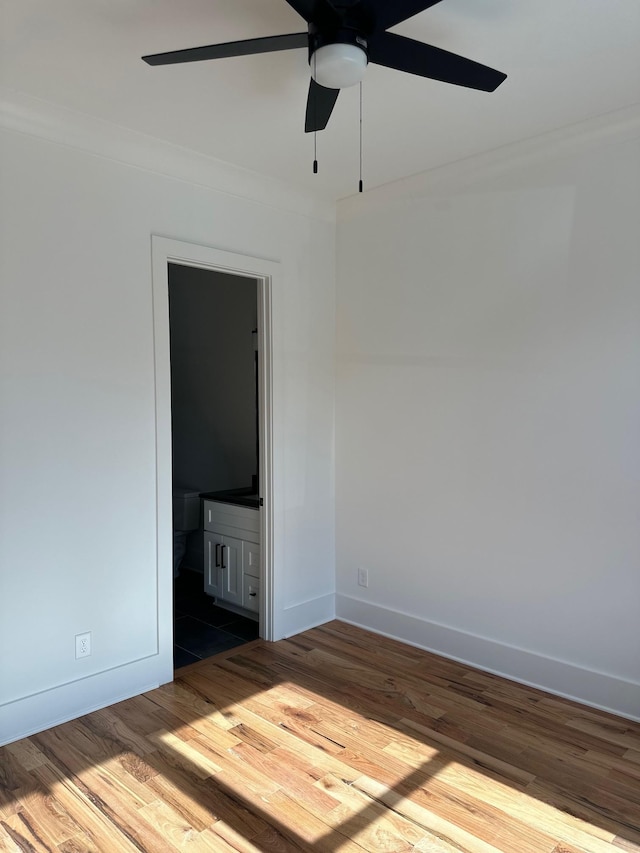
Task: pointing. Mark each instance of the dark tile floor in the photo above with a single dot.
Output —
(201, 629)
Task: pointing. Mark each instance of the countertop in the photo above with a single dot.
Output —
(240, 497)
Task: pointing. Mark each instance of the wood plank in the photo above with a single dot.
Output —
(437, 826)
(7, 842)
(80, 843)
(302, 828)
(365, 820)
(624, 844)
(42, 810)
(26, 835)
(619, 733)
(26, 754)
(221, 832)
(632, 755)
(173, 827)
(103, 833)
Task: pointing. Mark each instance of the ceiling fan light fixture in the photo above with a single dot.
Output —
(338, 65)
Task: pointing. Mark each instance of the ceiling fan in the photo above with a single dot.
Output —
(342, 37)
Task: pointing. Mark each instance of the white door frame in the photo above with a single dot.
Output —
(163, 252)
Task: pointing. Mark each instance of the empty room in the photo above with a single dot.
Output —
(319, 417)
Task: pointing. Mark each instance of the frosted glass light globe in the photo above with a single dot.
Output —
(336, 66)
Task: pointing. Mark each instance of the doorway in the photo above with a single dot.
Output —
(213, 326)
(212, 319)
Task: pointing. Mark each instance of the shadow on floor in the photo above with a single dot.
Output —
(201, 628)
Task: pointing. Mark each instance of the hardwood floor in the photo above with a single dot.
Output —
(335, 740)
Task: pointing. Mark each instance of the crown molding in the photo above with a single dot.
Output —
(23, 113)
(568, 141)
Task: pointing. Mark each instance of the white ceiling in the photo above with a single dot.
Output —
(566, 60)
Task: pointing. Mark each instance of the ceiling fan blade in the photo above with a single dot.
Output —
(415, 57)
(230, 48)
(388, 14)
(320, 104)
(321, 12)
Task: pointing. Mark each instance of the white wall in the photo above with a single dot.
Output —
(77, 440)
(488, 415)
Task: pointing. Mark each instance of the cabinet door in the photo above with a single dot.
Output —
(231, 584)
(213, 543)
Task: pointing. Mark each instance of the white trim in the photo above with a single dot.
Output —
(596, 689)
(164, 522)
(164, 251)
(65, 702)
(265, 400)
(32, 116)
(567, 141)
(308, 614)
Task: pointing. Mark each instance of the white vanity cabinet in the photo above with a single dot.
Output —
(232, 555)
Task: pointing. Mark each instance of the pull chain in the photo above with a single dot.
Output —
(360, 184)
(315, 122)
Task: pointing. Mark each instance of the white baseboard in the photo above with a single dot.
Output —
(308, 614)
(596, 689)
(49, 708)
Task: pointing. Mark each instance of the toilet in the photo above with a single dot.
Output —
(186, 517)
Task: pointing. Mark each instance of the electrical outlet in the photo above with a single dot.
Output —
(363, 577)
(83, 645)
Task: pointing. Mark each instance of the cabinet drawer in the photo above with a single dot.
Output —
(251, 559)
(241, 522)
(251, 593)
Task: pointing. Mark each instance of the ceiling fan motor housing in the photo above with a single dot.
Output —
(353, 24)
(343, 35)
